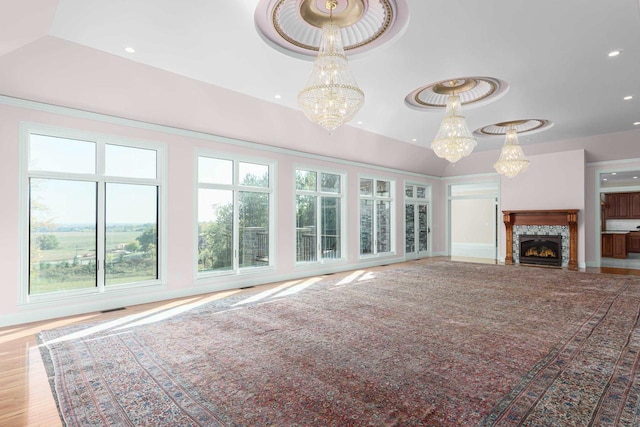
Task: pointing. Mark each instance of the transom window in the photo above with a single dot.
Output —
(93, 209)
(234, 215)
(319, 215)
(376, 212)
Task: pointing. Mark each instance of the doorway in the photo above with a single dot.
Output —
(619, 213)
(473, 220)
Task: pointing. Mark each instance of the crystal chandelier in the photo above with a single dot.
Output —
(331, 96)
(512, 160)
(454, 140)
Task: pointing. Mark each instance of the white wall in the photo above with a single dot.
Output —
(182, 146)
(552, 181)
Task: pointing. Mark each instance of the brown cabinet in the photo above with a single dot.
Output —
(634, 205)
(622, 205)
(607, 245)
(611, 204)
(633, 242)
(620, 245)
(614, 245)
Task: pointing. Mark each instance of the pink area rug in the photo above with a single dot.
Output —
(425, 344)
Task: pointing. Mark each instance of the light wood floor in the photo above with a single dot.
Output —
(25, 394)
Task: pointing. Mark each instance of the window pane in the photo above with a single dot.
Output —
(383, 235)
(305, 180)
(330, 183)
(421, 192)
(383, 188)
(215, 171)
(409, 228)
(366, 227)
(254, 175)
(215, 230)
(254, 229)
(48, 153)
(130, 162)
(131, 238)
(366, 187)
(62, 240)
(423, 233)
(306, 242)
(330, 227)
(408, 190)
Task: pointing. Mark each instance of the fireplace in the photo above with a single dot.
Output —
(540, 250)
(564, 217)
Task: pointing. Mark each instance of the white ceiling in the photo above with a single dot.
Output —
(552, 53)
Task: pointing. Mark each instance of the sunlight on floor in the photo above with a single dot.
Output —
(178, 310)
(350, 278)
(299, 287)
(267, 293)
(161, 312)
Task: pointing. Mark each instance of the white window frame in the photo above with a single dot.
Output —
(392, 208)
(318, 193)
(236, 188)
(99, 177)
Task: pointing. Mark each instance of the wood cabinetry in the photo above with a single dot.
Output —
(622, 205)
(633, 242)
(634, 205)
(611, 205)
(620, 245)
(607, 245)
(615, 245)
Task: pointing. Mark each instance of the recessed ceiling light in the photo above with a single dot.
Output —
(614, 53)
(614, 173)
(413, 139)
(277, 96)
(604, 179)
(129, 49)
(635, 177)
(628, 97)
(636, 123)
(360, 122)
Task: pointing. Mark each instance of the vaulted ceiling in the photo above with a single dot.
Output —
(552, 54)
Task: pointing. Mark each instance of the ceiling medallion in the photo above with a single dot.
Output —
(344, 14)
(521, 126)
(295, 26)
(471, 90)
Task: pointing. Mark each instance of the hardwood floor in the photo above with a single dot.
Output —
(25, 394)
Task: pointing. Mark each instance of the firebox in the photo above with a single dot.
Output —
(540, 250)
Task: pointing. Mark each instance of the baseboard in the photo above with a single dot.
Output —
(38, 313)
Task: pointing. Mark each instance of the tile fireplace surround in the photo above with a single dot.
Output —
(568, 217)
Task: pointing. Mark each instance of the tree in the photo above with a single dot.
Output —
(132, 246)
(47, 242)
(216, 240)
(147, 238)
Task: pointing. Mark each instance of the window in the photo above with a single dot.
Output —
(376, 211)
(319, 216)
(93, 209)
(234, 215)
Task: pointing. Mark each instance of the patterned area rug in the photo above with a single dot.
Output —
(425, 344)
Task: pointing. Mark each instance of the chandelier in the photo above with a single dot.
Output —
(454, 140)
(331, 96)
(512, 160)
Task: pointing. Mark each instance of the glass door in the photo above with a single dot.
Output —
(416, 230)
(416, 221)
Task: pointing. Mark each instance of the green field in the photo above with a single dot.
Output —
(81, 243)
(72, 263)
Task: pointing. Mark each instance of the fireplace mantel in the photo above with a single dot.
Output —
(549, 217)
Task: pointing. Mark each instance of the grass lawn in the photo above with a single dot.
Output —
(82, 243)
